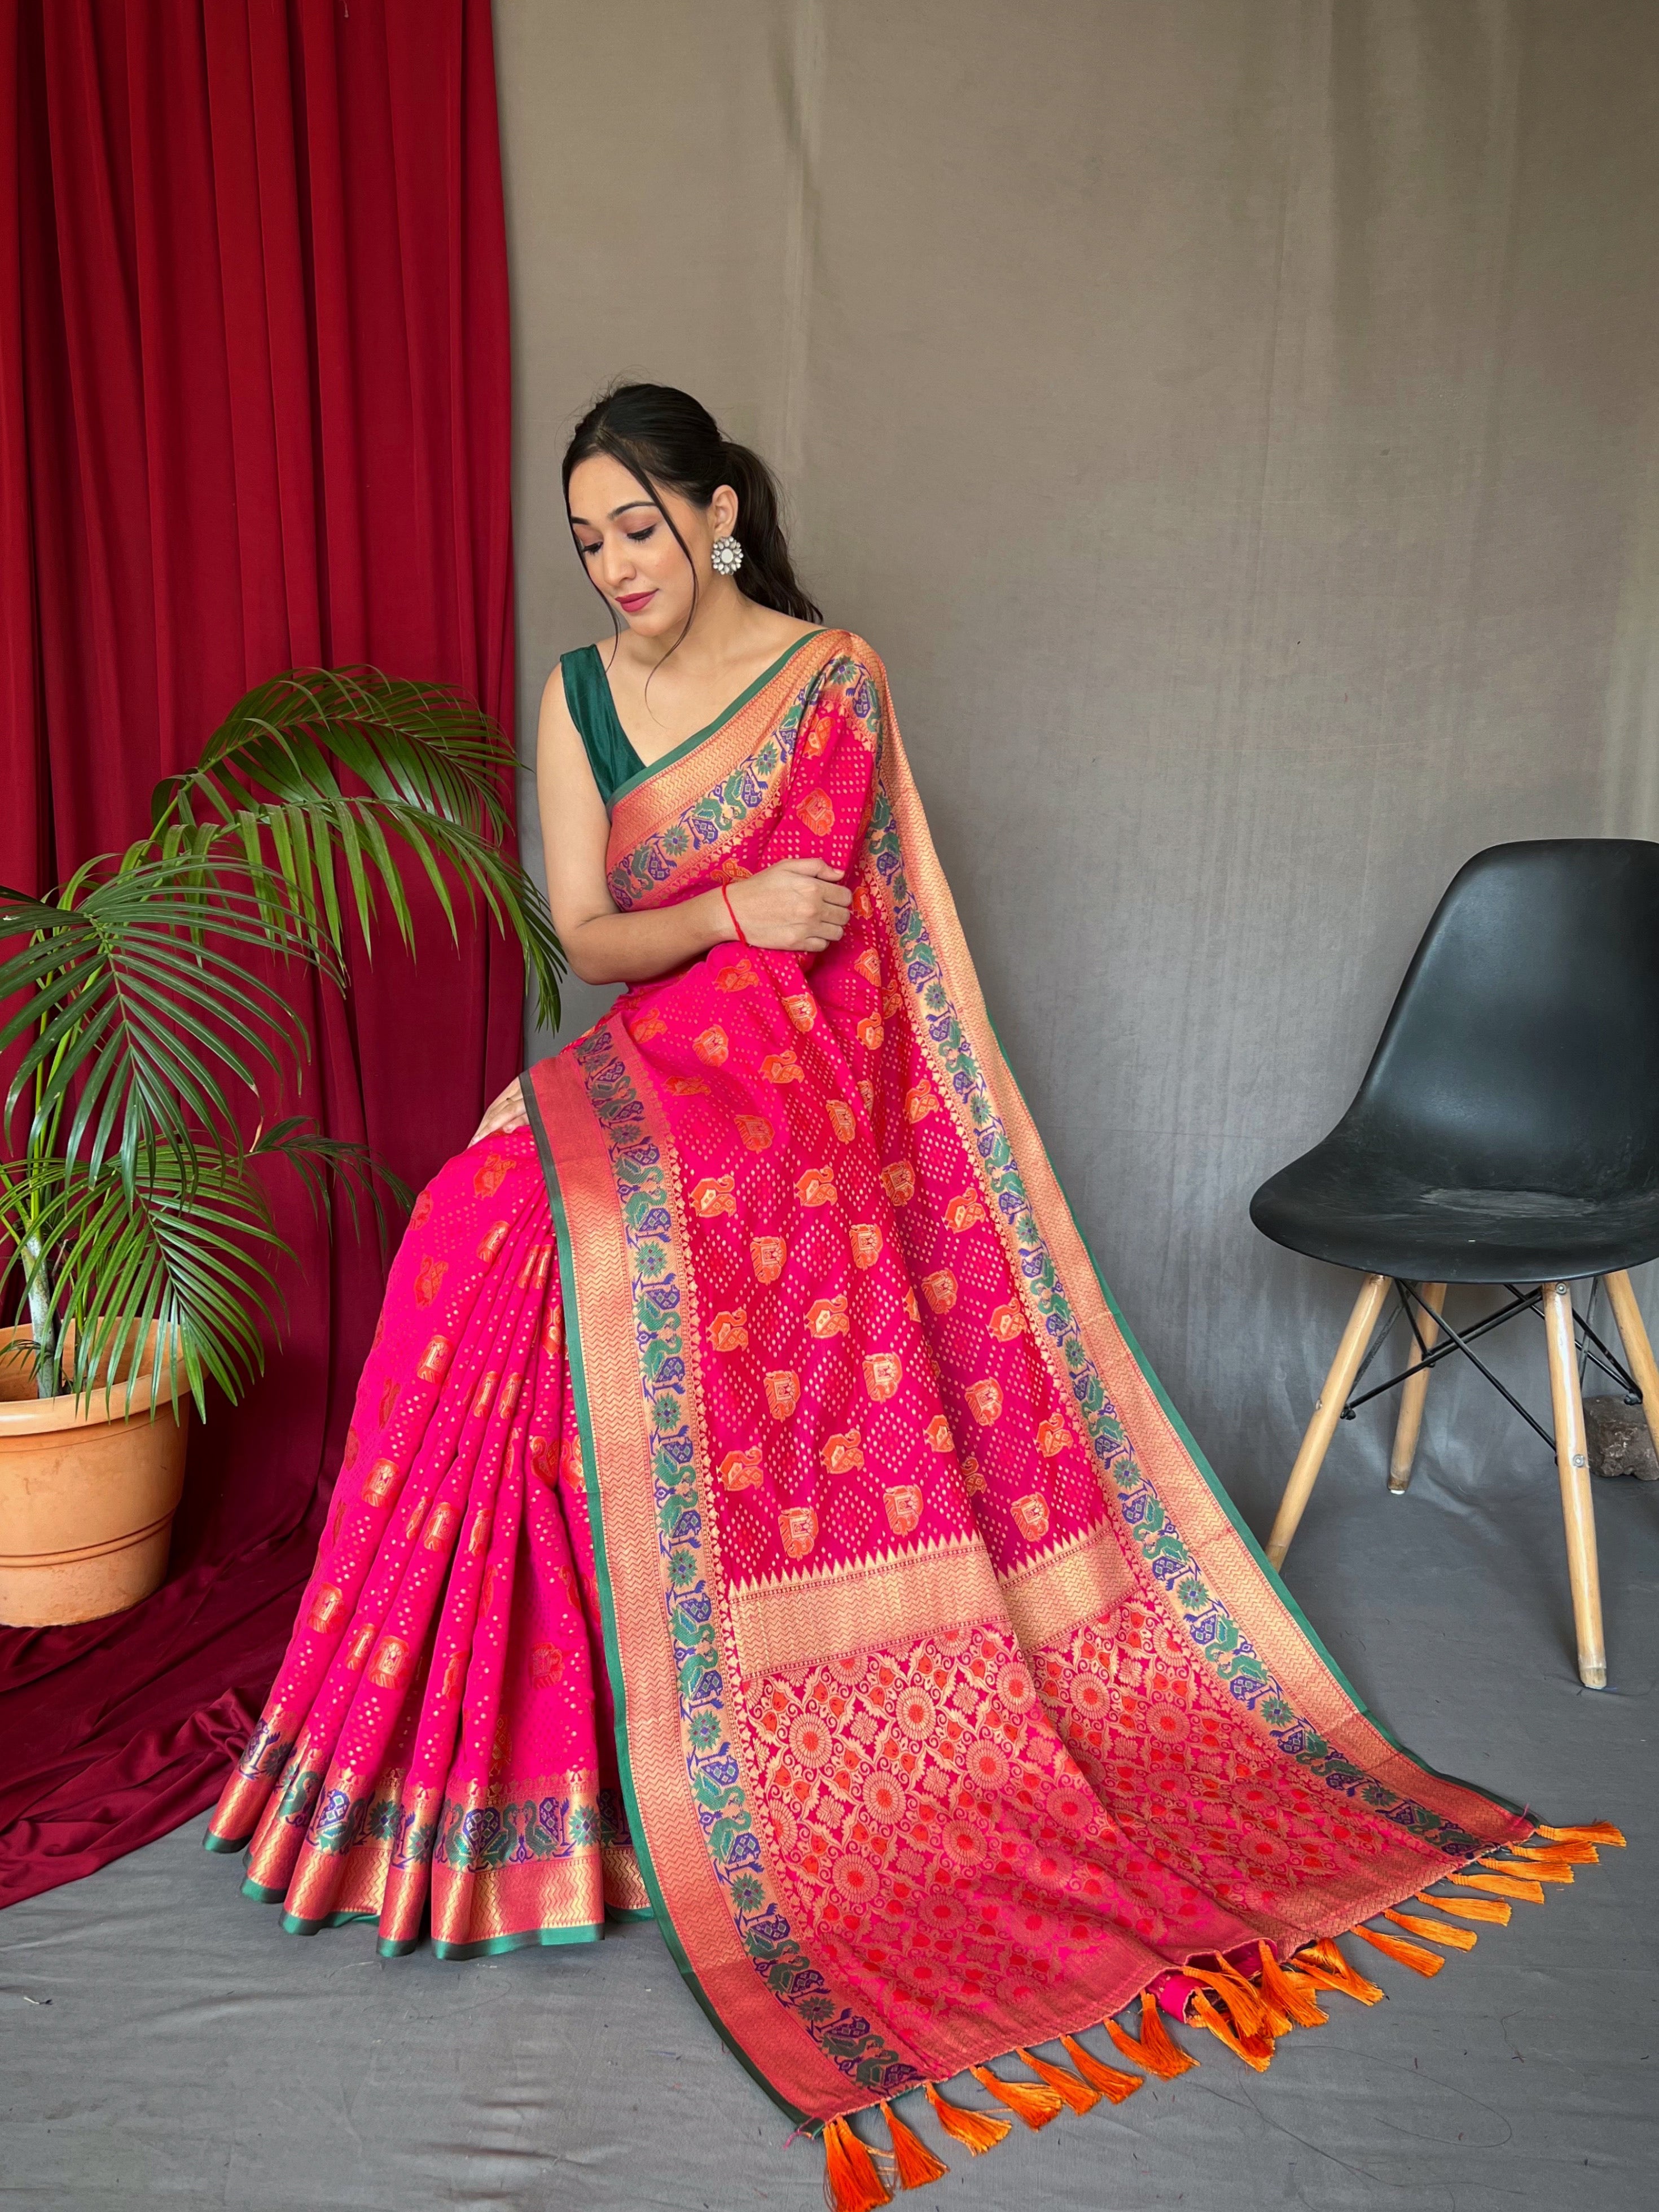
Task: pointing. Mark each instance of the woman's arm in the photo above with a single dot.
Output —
(602, 945)
(797, 907)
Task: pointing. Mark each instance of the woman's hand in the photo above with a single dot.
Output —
(795, 906)
(507, 1113)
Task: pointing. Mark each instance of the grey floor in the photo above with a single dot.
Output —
(161, 2042)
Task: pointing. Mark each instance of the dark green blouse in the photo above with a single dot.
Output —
(593, 709)
(613, 760)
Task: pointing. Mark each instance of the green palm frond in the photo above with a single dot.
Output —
(136, 1020)
(431, 767)
(328, 1165)
(189, 1249)
(141, 1009)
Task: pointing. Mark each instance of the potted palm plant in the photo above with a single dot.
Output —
(150, 1039)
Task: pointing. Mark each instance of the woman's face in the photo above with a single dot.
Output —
(630, 552)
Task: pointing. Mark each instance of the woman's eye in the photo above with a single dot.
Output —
(586, 551)
(639, 536)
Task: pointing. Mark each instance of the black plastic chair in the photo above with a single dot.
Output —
(1507, 1131)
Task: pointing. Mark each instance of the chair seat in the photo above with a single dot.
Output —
(1340, 1203)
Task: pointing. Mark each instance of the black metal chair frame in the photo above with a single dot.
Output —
(1589, 1347)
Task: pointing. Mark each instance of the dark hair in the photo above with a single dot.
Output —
(665, 437)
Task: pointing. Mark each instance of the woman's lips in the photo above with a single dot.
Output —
(634, 601)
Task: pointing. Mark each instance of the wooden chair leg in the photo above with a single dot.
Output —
(1409, 1426)
(1327, 1412)
(1572, 1461)
(1638, 1352)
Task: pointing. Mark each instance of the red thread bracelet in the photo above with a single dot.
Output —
(732, 911)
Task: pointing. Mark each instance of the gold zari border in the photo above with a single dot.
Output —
(887, 1601)
(1083, 1580)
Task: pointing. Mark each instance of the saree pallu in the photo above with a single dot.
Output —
(954, 1707)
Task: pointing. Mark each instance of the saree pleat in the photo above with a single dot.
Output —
(436, 1749)
(758, 1513)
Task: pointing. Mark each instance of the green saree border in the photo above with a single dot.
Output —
(659, 1910)
(227, 1843)
(687, 746)
(528, 1939)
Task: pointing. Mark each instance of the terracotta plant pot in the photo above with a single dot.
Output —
(88, 1488)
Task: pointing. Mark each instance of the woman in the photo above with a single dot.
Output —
(755, 1513)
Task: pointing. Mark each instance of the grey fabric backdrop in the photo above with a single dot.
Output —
(1235, 426)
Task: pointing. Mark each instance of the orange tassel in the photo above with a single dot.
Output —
(1437, 1932)
(916, 2164)
(1275, 2021)
(1294, 1996)
(1247, 2017)
(1254, 2050)
(1594, 1831)
(1111, 2081)
(1409, 1954)
(1157, 2051)
(1061, 2079)
(1247, 2006)
(1538, 1870)
(1030, 2102)
(975, 2131)
(1326, 1969)
(851, 2183)
(1469, 1908)
(1569, 1853)
(1502, 1885)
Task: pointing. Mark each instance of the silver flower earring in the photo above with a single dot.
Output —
(726, 555)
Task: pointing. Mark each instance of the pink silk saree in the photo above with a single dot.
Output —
(767, 1389)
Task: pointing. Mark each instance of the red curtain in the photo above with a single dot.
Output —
(254, 414)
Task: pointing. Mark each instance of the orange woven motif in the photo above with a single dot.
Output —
(782, 1393)
(902, 1506)
(883, 1373)
(841, 1453)
(767, 1256)
(798, 1530)
(985, 1400)
(742, 1470)
(866, 1240)
(728, 1332)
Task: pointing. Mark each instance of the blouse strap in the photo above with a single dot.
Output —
(593, 710)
